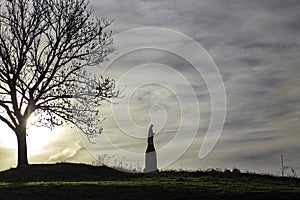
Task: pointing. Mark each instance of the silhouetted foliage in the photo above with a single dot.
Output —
(45, 46)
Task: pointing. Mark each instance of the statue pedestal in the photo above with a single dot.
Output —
(150, 160)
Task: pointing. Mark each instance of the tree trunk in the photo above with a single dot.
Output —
(22, 147)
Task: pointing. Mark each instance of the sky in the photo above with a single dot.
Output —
(255, 46)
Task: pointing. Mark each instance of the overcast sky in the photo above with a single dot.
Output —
(255, 45)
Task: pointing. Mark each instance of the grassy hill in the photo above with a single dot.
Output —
(79, 181)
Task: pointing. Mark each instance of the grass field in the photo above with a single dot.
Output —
(73, 181)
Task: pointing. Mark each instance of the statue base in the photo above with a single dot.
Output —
(150, 161)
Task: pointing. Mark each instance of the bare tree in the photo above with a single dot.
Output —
(45, 47)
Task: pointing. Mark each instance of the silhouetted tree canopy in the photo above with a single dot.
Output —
(45, 46)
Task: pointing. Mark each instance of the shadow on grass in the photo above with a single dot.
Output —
(121, 191)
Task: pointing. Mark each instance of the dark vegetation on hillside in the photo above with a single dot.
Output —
(80, 181)
(84, 172)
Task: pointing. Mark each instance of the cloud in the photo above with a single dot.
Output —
(256, 46)
(7, 158)
(66, 153)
